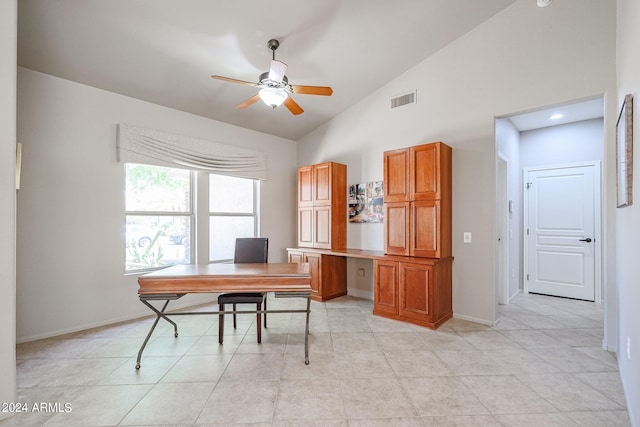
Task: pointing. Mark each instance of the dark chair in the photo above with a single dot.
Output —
(248, 250)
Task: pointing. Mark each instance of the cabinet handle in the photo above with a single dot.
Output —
(588, 240)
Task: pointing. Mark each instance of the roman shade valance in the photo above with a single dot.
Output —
(153, 147)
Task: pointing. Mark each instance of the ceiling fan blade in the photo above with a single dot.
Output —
(277, 70)
(293, 106)
(230, 80)
(248, 102)
(312, 90)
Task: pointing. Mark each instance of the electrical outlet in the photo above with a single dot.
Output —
(466, 237)
(628, 348)
(361, 272)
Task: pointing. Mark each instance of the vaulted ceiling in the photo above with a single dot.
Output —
(165, 51)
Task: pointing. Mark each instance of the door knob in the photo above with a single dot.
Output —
(588, 239)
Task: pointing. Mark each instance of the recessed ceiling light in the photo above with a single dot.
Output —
(544, 3)
(556, 116)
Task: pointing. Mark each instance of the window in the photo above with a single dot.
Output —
(159, 216)
(233, 213)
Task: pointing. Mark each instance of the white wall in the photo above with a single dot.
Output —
(508, 142)
(522, 58)
(562, 144)
(628, 219)
(70, 227)
(8, 43)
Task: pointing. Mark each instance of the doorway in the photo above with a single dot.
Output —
(535, 139)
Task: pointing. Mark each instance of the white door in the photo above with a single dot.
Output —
(560, 233)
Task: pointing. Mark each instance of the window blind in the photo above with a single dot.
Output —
(153, 147)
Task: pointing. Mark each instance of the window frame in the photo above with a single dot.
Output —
(190, 214)
(255, 214)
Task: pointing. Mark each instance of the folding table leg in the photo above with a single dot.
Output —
(159, 314)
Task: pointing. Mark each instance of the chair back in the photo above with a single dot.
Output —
(251, 250)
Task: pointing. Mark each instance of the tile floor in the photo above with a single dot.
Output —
(542, 365)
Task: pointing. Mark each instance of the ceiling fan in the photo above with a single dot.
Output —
(275, 89)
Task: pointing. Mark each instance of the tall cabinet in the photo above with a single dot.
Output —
(417, 201)
(322, 224)
(413, 282)
(322, 206)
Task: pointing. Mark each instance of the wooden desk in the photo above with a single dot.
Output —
(285, 280)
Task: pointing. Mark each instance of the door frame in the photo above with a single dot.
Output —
(502, 252)
(597, 254)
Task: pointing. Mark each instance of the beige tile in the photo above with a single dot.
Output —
(444, 340)
(520, 361)
(375, 398)
(254, 367)
(606, 357)
(240, 402)
(506, 394)
(469, 362)
(318, 343)
(442, 396)
(271, 343)
(309, 400)
(152, 369)
(538, 420)
(67, 372)
(568, 393)
(170, 403)
(354, 342)
(321, 365)
(115, 401)
(207, 368)
(417, 364)
(363, 365)
(462, 421)
(387, 422)
(399, 341)
(601, 418)
(607, 383)
(571, 360)
(532, 339)
(575, 337)
(488, 340)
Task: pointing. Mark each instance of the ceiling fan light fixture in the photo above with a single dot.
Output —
(273, 97)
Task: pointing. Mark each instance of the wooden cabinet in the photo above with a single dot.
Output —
(417, 196)
(414, 290)
(322, 206)
(328, 273)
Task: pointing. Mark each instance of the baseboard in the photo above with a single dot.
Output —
(142, 314)
(475, 319)
(360, 293)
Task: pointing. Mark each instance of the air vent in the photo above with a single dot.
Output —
(404, 99)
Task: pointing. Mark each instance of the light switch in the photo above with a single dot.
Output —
(466, 237)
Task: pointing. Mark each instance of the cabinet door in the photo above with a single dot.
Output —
(322, 230)
(414, 288)
(314, 264)
(430, 171)
(295, 257)
(385, 286)
(305, 186)
(305, 227)
(425, 229)
(396, 175)
(396, 228)
(322, 184)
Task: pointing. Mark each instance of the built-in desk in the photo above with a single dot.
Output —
(411, 289)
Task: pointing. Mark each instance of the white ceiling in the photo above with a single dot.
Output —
(574, 112)
(164, 51)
